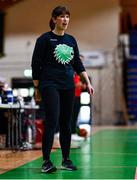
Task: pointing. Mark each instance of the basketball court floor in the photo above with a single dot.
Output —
(110, 153)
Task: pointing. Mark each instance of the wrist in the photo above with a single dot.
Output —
(89, 84)
(36, 87)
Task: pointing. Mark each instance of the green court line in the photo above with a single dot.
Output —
(109, 154)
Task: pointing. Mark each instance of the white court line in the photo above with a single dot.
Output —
(135, 174)
(132, 154)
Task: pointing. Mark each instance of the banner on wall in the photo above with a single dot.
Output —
(93, 59)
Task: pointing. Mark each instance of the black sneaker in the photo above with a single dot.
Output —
(68, 165)
(47, 167)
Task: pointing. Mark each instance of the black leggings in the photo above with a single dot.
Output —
(75, 114)
(58, 105)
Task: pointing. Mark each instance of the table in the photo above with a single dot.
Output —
(15, 111)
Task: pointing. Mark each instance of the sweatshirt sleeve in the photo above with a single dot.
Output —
(77, 65)
(36, 63)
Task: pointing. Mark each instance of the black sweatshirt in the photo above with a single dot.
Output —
(54, 60)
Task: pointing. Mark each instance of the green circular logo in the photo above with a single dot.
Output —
(63, 53)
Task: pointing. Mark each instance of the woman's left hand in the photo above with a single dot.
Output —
(90, 89)
(37, 95)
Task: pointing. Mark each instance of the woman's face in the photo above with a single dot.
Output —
(61, 22)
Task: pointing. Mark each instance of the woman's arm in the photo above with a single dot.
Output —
(36, 62)
(89, 86)
(36, 67)
(36, 91)
(80, 69)
(36, 83)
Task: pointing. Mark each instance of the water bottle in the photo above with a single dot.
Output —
(33, 103)
(9, 93)
(29, 134)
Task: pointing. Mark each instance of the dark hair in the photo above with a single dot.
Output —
(57, 11)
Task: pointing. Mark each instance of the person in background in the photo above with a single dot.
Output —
(54, 60)
(1, 88)
(79, 87)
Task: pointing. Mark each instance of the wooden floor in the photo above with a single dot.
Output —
(111, 150)
(12, 159)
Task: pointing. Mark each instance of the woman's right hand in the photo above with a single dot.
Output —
(37, 95)
(90, 89)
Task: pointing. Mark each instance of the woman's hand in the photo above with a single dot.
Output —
(90, 89)
(37, 95)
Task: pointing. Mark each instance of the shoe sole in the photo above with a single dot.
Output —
(50, 170)
(69, 169)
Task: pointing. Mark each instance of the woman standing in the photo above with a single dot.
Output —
(55, 58)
